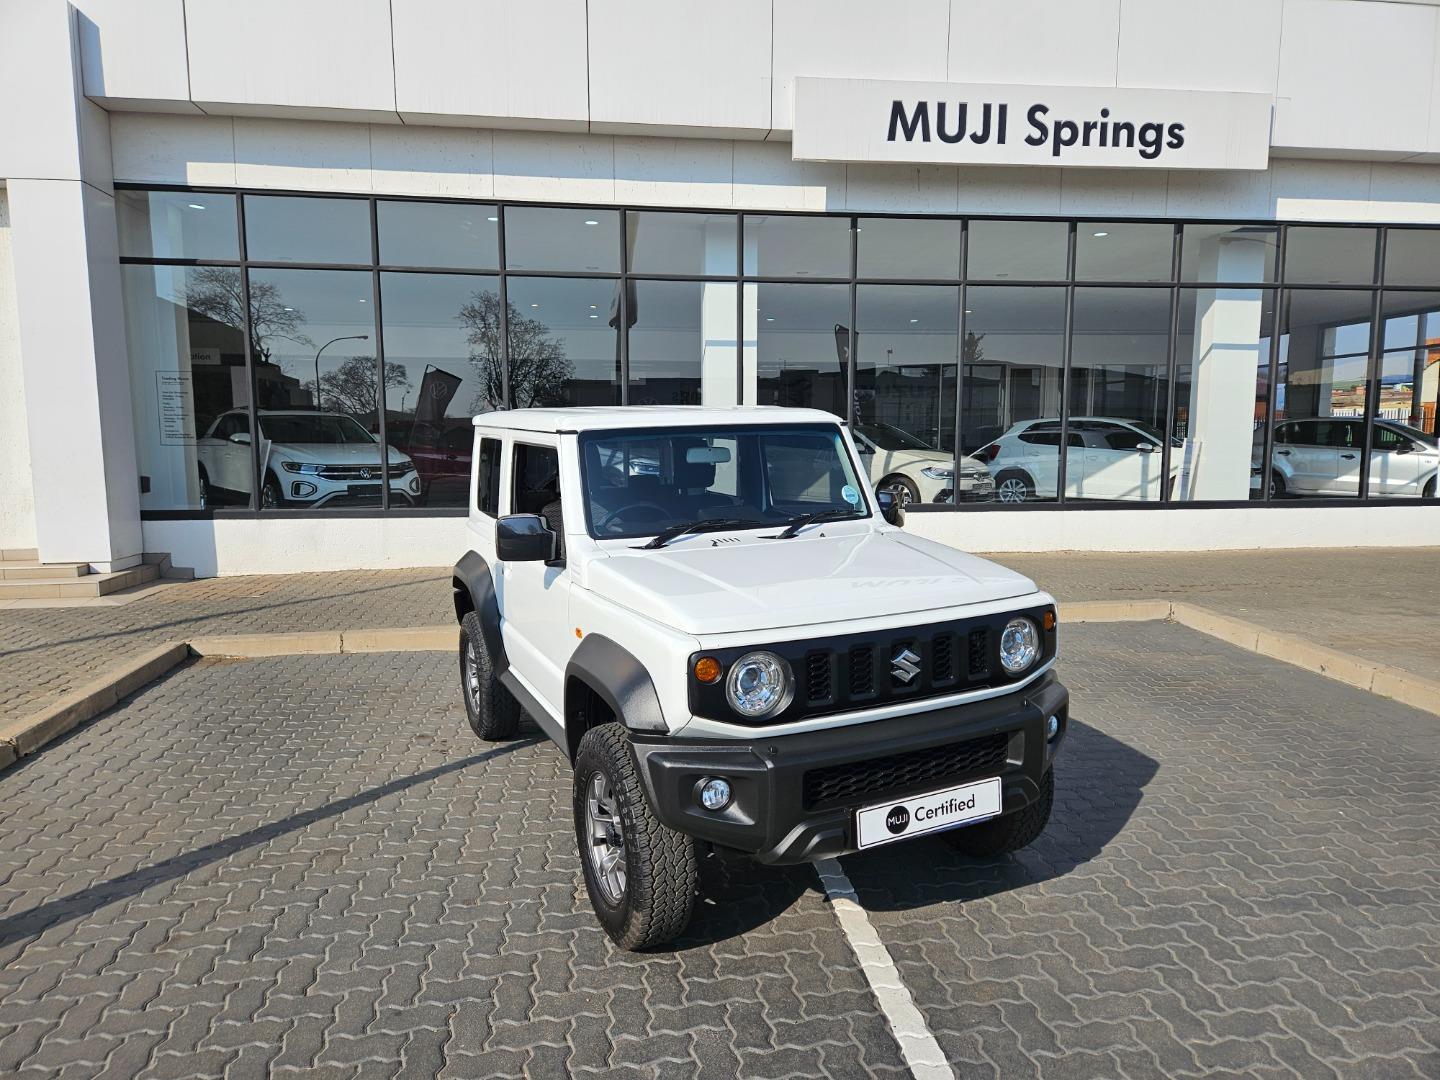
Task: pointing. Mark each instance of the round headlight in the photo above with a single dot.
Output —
(1019, 645)
(759, 685)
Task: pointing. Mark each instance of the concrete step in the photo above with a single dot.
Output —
(27, 569)
(77, 588)
(20, 554)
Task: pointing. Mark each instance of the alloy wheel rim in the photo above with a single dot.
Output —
(606, 847)
(1012, 490)
(472, 673)
(901, 493)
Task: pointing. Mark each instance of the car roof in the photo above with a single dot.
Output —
(595, 418)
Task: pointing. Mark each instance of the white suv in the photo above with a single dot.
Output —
(1108, 458)
(736, 646)
(914, 471)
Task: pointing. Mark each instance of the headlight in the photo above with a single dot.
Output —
(936, 473)
(1019, 646)
(296, 466)
(759, 685)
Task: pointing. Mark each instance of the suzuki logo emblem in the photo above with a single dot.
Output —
(904, 666)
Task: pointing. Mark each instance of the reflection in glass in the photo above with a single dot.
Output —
(1017, 250)
(555, 238)
(1321, 255)
(801, 344)
(1320, 396)
(1118, 394)
(185, 335)
(793, 245)
(1228, 253)
(1405, 457)
(1014, 361)
(317, 388)
(1106, 251)
(564, 344)
(1412, 257)
(435, 333)
(682, 343)
(1222, 377)
(177, 225)
(465, 236)
(677, 243)
(285, 228)
(907, 349)
(909, 248)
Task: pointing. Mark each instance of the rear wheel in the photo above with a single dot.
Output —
(1013, 486)
(202, 489)
(1429, 491)
(1009, 832)
(641, 875)
(1277, 485)
(492, 710)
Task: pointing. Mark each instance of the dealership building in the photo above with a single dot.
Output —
(1080, 274)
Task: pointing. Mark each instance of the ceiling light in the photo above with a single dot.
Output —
(197, 206)
(492, 219)
(593, 306)
(591, 221)
(969, 312)
(769, 318)
(289, 309)
(534, 305)
(594, 316)
(1100, 234)
(914, 320)
(362, 301)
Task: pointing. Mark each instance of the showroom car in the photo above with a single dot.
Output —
(1107, 458)
(307, 459)
(1321, 456)
(914, 471)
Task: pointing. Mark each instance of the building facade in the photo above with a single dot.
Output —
(1100, 274)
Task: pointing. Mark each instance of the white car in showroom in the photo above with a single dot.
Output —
(1321, 456)
(1108, 458)
(914, 471)
(307, 459)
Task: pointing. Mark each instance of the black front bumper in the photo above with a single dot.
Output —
(784, 810)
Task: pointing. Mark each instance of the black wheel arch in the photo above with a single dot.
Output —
(604, 671)
(474, 590)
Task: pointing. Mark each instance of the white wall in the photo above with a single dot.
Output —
(17, 496)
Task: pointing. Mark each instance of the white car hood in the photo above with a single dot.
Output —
(748, 582)
(334, 453)
(900, 459)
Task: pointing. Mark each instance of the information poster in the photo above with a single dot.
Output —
(177, 407)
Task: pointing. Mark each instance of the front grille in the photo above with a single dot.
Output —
(862, 781)
(862, 671)
(350, 472)
(817, 678)
(979, 663)
(942, 659)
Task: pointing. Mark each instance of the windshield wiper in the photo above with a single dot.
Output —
(674, 532)
(794, 525)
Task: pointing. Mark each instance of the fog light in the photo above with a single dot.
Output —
(302, 490)
(715, 793)
(1052, 727)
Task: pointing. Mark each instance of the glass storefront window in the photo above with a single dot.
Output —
(306, 229)
(177, 225)
(907, 349)
(465, 236)
(1118, 395)
(682, 343)
(908, 248)
(1222, 378)
(801, 349)
(1402, 461)
(793, 245)
(1228, 253)
(1017, 250)
(1320, 395)
(442, 340)
(1329, 255)
(1106, 251)
(564, 341)
(552, 238)
(1014, 373)
(1412, 257)
(184, 329)
(701, 245)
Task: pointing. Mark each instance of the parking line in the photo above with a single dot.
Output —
(917, 1045)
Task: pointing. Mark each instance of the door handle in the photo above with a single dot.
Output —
(1348, 457)
(1283, 453)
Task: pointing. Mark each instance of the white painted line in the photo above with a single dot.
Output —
(917, 1045)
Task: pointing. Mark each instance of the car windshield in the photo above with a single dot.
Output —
(1414, 433)
(1154, 432)
(324, 428)
(644, 482)
(889, 437)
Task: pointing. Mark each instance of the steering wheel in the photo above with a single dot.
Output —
(656, 511)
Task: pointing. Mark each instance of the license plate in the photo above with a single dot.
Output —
(937, 810)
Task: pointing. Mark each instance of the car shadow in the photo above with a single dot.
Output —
(738, 895)
(1099, 783)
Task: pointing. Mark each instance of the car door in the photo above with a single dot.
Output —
(1122, 463)
(1395, 463)
(540, 642)
(1347, 439)
(232, 456)
(1306, 465)
(1039, 456)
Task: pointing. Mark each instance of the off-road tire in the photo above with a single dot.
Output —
(492, 710)
(661, 867)
(1009, 832)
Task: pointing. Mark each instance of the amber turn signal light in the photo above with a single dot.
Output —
(707, 669)
(1049, 620)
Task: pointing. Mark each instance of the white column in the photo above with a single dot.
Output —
(55, 154)
(1216, 457)
(17, 495)
(718, 333)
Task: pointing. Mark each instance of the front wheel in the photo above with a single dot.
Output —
(1429, 492)
(641, 875)
(1008, 832)
(270, 497)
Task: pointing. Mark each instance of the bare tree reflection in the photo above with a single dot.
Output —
(539, 370)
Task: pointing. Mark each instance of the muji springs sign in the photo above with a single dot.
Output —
(978, 124)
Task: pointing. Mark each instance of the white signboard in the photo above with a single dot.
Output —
(979, 124)
(176, 407)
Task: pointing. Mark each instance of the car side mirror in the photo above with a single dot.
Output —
(524, 538)
(1405, 448)
(1146, 448)
(890, 508)
(241, 437)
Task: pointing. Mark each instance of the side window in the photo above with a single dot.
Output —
(225, 428)
(487, 478)
(536, 478)
(1284, 434)
(1352, 434)
(1388, 439)
(1125, 439)
(1045, 438)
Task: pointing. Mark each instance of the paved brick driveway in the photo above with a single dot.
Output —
(307, 864)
